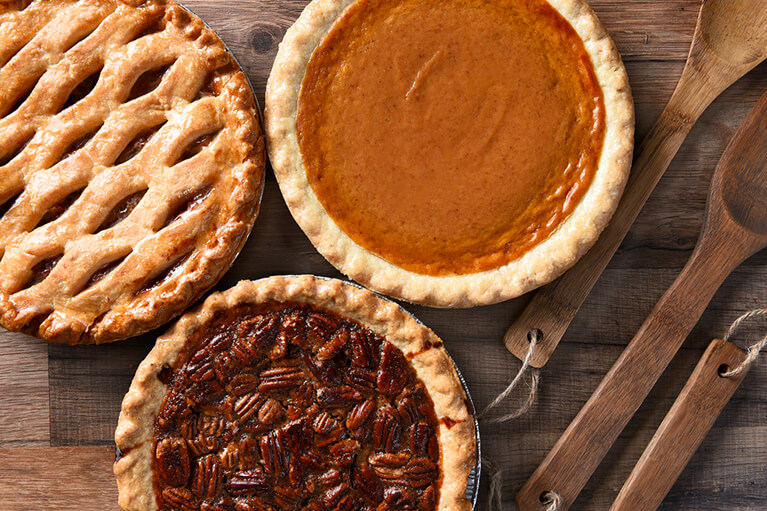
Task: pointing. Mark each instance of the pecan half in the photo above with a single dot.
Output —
(270, 412)
(281, 378)
(387, 430)
(338, 397)
(367, 483)
(243, 384)
(173, 461)
(332, 477)
(362, 378)
(299, 435)
(419, 473)
(398, 498)
(333, 346)
(360, 415)
(248, 450)
(423, 441)
(365, 349)
(393, 374)
(245, 352)
(225, 365)
(180, 499)
(248, 482)
(324, 423)
(319, 327)
(389, 460)
(344, 452)
(275, 453)
(246, 406)
(258, 329)
(325, 372)
(408, 411)
(207, 477)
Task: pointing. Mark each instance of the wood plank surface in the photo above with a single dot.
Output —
(84, 385)
(60, 478)
(24, 420)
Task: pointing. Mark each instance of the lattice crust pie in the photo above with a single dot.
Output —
(131, 165)
(450, 152)
(296, 393)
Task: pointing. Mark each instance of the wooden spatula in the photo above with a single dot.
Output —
(683, 429)
(735, 227)
(730, 39)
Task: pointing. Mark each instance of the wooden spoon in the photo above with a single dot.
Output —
(735, 227)
(730, 39)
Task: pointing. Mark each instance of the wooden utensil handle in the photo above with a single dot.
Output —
(580, 449)
(554, 306)
(678, 437)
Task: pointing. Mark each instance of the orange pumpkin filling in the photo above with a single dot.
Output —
(450, 137)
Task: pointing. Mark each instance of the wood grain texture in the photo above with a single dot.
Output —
(727, 473)
(683, 429)
(23, 391)
(62, 478)
(735, 227)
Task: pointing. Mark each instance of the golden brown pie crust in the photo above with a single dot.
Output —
(431, 178)
(423, 349)
(132, 166)
(350, 227)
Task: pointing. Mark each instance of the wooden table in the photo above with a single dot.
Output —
(59, 405)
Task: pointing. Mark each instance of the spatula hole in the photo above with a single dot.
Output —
(534, 333)
(550, 499)
(722, 370)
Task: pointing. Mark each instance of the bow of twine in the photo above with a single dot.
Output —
(551, 500)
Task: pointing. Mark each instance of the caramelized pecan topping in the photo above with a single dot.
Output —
(294, 408)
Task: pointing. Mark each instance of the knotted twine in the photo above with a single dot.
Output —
(753, 350)
(496, 475)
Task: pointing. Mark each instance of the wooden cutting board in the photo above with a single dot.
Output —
(59, 405)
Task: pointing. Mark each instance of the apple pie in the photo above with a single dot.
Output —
(131, 165)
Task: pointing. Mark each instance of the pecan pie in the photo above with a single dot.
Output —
(296, 393)
(450, 152)
(131, 165)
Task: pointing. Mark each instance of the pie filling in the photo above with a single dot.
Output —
(277, 407)
(450, 137)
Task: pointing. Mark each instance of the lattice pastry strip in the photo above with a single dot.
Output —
(123, 199)
(113, 88)
(145, 112)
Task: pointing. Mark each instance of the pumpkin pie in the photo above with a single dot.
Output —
(131, 165)
(296, 393)
(450, 152)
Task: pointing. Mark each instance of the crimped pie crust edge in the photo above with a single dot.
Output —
(540, 265)
(212, 255)
(135, 428)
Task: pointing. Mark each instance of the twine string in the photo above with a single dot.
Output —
(753, 350)
(514, 383)
(494, 471)
(496, 484)
(551, 500)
